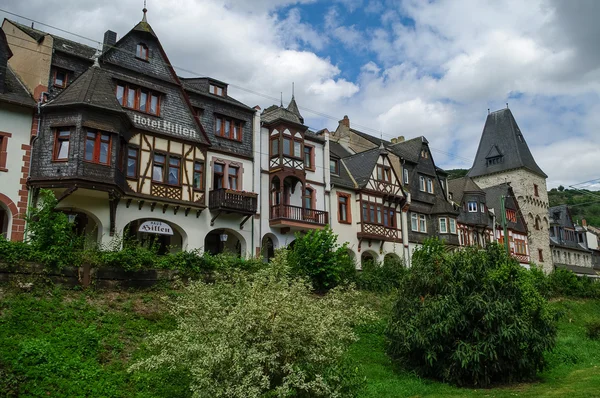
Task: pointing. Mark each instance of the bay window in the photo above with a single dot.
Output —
(452, 226)
(97, 147)
(61, 145)
(443, 225)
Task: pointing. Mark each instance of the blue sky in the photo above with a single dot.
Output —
(395, 67)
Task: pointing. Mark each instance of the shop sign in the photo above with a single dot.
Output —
(156, 227)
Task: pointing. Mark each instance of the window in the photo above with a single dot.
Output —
(218, 175)
(334, 166)
(452, 226)
(233, 177)
(141, 52)
(374, 213)
(174, 170)
(198, 175)
(3, 150)
(138, 99)
(520, 247)
(274, 147)
(443, 225)
(424, 154)
(494, 160)
(217, 90)
(406, 176)
(384, 173)
(541, 255)
(537, 224)
(511, 215)
(297, 149)
(158, 168)
(287, 146)
(97, 147)
(414, 222)
(228, 128)
(308, 198)
(482, 207)
(422, 223)
(308, 157)
(61, 144)
(344, 213)
(422, 186)
(535, 190)
(429, 185)
(472, 207)
(60, 78)
(132, 162)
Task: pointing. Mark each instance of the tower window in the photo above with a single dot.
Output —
(494, 160)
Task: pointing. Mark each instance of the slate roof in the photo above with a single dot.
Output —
(559, 215)
(60, 44)
(312, 136)
(578, 269)
(361, 165)
(502, 136)
(275, 112)
(409, 150)
(493, 198)
(14, 91)
(337, 150)
(344, 179)
(201, 86)
(374, 140)
(459, 186)
(94, 87)
(293, 107)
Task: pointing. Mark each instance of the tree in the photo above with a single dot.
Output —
(317, 256)
(262, 334)
(561, 188)
(472, 317)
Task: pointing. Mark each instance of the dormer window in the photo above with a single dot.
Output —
(334, 166)
(141, 52)
(384, 173)
(217, 90)
(138, 99)
(494, 160)
(424, 154)
(60, 78)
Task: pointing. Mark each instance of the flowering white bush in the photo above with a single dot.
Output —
(263, 333)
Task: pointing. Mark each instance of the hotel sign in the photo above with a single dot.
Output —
(168, 127)
(156, 227)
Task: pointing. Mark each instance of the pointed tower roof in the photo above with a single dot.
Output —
(143, 25)
(293, 107)
(502, 147)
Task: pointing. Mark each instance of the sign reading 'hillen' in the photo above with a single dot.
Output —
(156, 227)
(173, 128)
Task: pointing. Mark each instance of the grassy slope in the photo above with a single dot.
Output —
(573, 368)
(73, 344)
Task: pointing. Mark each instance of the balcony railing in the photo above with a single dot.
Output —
(522, 258)
(376, 231)
(300, 214)
(233, 201)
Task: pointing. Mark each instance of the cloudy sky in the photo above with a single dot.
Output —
(395, 67)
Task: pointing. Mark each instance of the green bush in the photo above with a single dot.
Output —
(471, 317)
(565, 283)
(261, 334)
(593, 330)
(317, 256)
(15, 253)
(384, 277)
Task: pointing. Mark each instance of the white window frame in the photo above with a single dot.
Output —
(482, 207)
(429, 185)
(422, 184)
(443, 221)
(472, 206)
(406, 176)
(414, 222)
(422, 219)
(452, 226)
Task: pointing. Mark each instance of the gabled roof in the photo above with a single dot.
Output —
(368, 137)
(337, 150)
(60, 44)
(15, 91)
(409, 150)
(493, 197)
(560, 215)
(200, 86)
(502, 135)
(361, 165)
(94, 87)
(459, 186)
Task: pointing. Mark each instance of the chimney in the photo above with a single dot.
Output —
(394, 140)
(583, 223)
(345, 121)
(400, 139)
(110, 39)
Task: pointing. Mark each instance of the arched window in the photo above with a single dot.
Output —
(537, 223)
(141, 51)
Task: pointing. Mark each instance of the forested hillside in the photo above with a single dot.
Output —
(583, 204)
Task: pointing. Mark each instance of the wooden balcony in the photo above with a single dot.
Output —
(521, 258)
(379, 232)
(230, 201)
(288, 216)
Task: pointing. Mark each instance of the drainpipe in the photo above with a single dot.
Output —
(256, 175)
(33, 141)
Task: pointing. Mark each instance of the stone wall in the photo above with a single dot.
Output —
(532, 207)
(562, 255)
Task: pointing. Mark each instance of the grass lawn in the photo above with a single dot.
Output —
(58, 343)
(573, 368)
